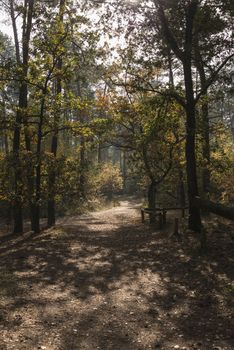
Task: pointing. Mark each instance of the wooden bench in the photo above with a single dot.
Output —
(178, 208)
(160, 212)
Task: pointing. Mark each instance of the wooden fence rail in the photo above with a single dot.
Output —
(215, 208)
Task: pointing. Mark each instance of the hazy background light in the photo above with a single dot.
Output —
(5, 24)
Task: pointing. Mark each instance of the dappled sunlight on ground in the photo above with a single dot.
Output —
(106, 281)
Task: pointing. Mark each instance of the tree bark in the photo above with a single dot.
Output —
(181, 189)
(81, 118)
(206, 149)
(36, 205)
(124, 170)
(52, 181)
(5, 134)
(216, 208)
(185, 56)
(21, 113)
(205, 121)
(194, 212)
(170, 69)
(152, 200)
(54, 143)
(82, 167)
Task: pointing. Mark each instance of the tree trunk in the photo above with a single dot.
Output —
(185, 56)
(124, 170)
(4, 115)
(216, 208)
(54, 143)
(35, 212)
(205, 120)
(36, 204)
(170, 69)
(52, 182)
(152, 200)
(18, 181)
(190, 109)
(22, 104)
(99, 153)
(194, 212)
(81, 117)
(182, 189)
(205, 149)
(29, 174)
(82, 167)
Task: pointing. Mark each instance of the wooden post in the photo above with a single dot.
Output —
(164, 219)
(176, 227)
(183, 212)
(160, 220)
(142, 216)
(215, 208)
(152, 216)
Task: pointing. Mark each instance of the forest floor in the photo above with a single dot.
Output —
(106, 281)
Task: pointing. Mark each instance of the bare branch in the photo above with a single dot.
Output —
(213, 77)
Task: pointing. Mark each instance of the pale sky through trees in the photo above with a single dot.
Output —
(6, 28)
(5, 24)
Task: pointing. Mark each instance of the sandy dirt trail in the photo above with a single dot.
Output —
(106, 281)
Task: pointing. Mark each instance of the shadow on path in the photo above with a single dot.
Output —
(105, 281)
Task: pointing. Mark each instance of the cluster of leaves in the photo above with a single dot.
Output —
(151, 128)
(102, 181)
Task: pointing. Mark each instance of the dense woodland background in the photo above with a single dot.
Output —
(102, 98)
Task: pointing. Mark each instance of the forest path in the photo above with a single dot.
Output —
(106, 281)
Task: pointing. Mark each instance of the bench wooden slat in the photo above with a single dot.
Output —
(161, 214)
(162, 211)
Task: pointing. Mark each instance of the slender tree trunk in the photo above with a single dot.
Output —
(5, 135)
(6, 143)
(18, 183)
(205, 121)
(82, 147)
(153, 184)
(52, 171)
(124, 170)
(170, 69)
(27, 27)
(194, 212)
(15, 32)
(185, 56)
(81, 117)
(30, 174)
(54, 142)
(190, 109)
(206, 149)
(36, 205)
(17, 203)
(52, 174)
(99, 153)
(181, 189)
(52, 182)
(7, 152)
(21, 113)
(152, 200)
(82, 167)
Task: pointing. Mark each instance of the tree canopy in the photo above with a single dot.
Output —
(107, 97)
